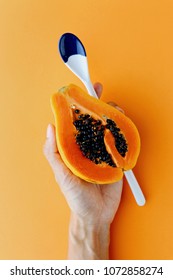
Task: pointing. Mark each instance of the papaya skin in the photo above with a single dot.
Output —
(62, 104)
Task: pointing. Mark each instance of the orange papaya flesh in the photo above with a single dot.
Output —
(96, 141)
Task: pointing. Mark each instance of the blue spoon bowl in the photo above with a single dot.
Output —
(70, 45)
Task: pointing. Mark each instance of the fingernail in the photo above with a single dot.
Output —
(120, 109)
(48, 133)
(99, 88)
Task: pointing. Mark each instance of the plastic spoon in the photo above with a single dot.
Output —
(74, 56)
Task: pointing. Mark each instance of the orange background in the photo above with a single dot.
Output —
(130, 50)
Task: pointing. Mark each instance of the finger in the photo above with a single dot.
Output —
(116, 106)
(98, 88)
(52, 155)
(50, 148)
(51, 139)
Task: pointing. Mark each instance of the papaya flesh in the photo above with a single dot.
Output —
(96, 141)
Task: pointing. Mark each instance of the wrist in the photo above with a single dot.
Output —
(88, 241)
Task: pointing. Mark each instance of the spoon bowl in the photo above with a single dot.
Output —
(74, 56)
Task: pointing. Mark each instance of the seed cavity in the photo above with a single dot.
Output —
(90, 138)
(120, 141)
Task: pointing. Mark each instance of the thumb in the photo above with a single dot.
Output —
(52, 155)
(50, 148)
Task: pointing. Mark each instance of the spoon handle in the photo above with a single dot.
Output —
(134, 186)
(78, 64)
(90, 88)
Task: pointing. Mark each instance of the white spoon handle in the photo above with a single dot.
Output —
(135, 188)
(90, 88)
(79, 66)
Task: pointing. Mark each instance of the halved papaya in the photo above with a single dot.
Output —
(96, 141)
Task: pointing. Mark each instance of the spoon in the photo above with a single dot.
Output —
(74, 56)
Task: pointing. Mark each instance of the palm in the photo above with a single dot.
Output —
(91, 201)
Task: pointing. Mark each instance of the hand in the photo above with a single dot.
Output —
(93, 204)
